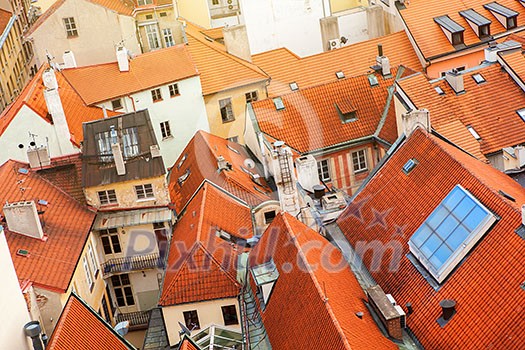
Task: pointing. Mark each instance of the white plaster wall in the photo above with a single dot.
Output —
(284, 23)
(14, 314)
(209, 312)
(25, 122)
(99, 30)
(145, 288)
(186, 114)
(354, 26)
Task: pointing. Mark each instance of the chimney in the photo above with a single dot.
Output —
(49, 79)
(38, 156)
(32, 330)
(448, 307)
(122, 59)
(22, 218)
(412, 119)
(307, 174)
(379, 50)
(513, 158)
(236, 42)
(55, 109)
(455, 79)
(222, 164)
(117, 153)
(69, 60)
(491, 52)
(382, 62)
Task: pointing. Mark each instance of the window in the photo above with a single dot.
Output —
(107, 197)
(104, 141)
(294, 86)
(473, 132)
(191, 319)
(372, 80)
(163, 14)
(130, 141)
(105, 309)
(153, 36)
(215, 2)
(340, 74)
(174, 90)
(149, 16)
(229, 314)
(144, 191)
(359, 160)
(269, 216)
(511, 22)
(116, 104)
(324, 170)
(438, 89)
(165, 129)
(89, 277)
(110, 241)
(484, 31)
(226, 110)
(168, 36)
(156, 95)
(450, 231)
(251, 96)
(94, 263)
(144, 2)
(410, 165)
(457, 38)
(123, 291)
(278, 103)
(71, 27)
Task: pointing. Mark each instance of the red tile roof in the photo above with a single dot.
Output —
(285, 67)
(219, 70)
(103, 82)
(202, 266)
(429, 37)
(314, 302)
(50, 263)
(515, 60)
(79, 327)
(310, 120)
(5, 16)
(486, 284)
(188, 344)
(200, 157)
(74, 108)
(493, 118)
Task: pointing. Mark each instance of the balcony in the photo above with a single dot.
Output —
(131, 263)
(137, 320)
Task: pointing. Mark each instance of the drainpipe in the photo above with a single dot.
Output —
(132, 103)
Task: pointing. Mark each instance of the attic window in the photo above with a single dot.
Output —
(23, 171)
(278, 102)
(184, 177)
(182, 160)
(479, 23)
(410, 165)
(521, 113)
(22, 252)
(452, 30)
(450, 232)
(478, 78)
(294, 86)
(340, 75)
(346, 111)
(473, 132)
(42, 202)
(439, 90)
(507, 17)
(372, 79)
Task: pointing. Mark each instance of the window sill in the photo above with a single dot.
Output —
(167, 138)
(360, 171)
(149, 199)
(228, 121)
(111, 205)
(156, 101)
(177, 95)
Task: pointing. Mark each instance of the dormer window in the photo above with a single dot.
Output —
(480, 24)
(452, 30)
(507, 17)
(346, 111)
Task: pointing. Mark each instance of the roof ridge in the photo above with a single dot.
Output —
(322, 295)
(52, 9)
(207, 252)
(201, 213)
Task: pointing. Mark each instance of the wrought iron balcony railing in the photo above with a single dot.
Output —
(131, 263)
(137, 320)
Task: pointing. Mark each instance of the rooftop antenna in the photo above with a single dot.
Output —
(183, 330)
(33, 144)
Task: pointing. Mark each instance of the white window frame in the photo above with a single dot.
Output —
(107, 200)
(93, 259)
(70, 26)
(144, 192)
(156, 95)
(109, 234)
(123, 287)
(321, 164)
(226, 108)
(357, 166)
(252, 96)
(174, 90)
(89, 276)
(168, 37)
(152, 35)
(165, 129)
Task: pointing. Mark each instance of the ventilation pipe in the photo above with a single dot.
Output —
(32, 330)
(448, 306)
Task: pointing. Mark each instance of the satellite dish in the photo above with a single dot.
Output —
(122, 328)
(249, 163)
(184, 329)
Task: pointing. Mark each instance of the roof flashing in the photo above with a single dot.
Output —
(475, 18)
(500, 9)
(449, 24)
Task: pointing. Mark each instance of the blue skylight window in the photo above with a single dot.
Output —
(450, 232)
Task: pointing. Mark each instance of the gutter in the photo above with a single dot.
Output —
(7, 30)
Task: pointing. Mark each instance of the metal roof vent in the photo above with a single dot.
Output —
(449, 309)
(223, 164)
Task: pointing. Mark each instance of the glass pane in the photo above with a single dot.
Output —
(106, 245)
(447, 226)
(116, 244)
(457, 237)
(437, 217)
(440, 256)
(455, 196)
(474, 218)
(129, 296)
(464, 208)
(421, 235)
(430, 246)
(115, 280)
(125, 279)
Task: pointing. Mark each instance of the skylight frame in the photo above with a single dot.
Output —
(439, 90)
(340, 74)
(521, 113)
(420, 245)
(473, 132)
(372, 80)
(478, 78)
(278, 103)
(294, 86)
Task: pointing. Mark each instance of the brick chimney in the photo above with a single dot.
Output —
(412, 119)
(455, 79)
(22, 218)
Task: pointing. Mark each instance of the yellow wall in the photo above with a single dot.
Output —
(236, 127)
(126, 195)
(342, 5)
(195, 11)
(168, 21)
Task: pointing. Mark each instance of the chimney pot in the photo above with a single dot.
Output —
(380, 50)
(448, 307)
(410, 309)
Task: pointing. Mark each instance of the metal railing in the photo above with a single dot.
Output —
(131, 263)
(137, 320)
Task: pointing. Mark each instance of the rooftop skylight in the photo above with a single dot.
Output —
(478, 78)
(473, 132)
(439, 90)
(278, 102)
(340, 75)
(294, 86)
(372, 79)
(450, 232)
(409, 165)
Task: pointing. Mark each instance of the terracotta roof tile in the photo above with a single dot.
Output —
(213, 33)
(419, 19)
(105, 81)
(200, 157)
(219, 70)
(486, 284)
(5, 16)
(74, 108)
(79, 327)
(310, 120)
(66, 173)
(188, 344)
(494, 119)
(285, 67)
(313, 281)
(50, 263)
(515, 60)
(202, 266)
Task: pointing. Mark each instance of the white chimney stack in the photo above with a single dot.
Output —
(284, 176)
(22, 218)
(455, 79)
(307, 174)
(416, 118)
(49, 79)
(69, 59)
(54, 107)
(122, 59)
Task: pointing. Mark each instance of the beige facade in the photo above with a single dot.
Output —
(157, 26)
(234, 128)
